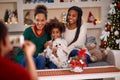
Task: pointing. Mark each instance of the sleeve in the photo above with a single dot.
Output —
(80, 43)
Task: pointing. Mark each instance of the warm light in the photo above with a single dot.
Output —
(26, 25)
(10, 23)
(98, 21)
(6, 22)
(16, 22)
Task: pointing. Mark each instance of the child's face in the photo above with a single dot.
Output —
(72, 17)
(56, 33)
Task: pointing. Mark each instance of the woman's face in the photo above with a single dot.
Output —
(72, 17)
(56, 33)
(40, 21)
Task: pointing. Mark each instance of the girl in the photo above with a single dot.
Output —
(56, 51)
(76, 30)
(38, 35)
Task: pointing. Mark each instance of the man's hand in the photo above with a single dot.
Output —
(29, 48)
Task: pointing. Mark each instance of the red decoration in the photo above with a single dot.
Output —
(118, 5)
(103, 44)
(91, 19)
(80, 60)
(108, 28)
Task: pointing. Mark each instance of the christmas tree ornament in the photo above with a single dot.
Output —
(118, 42)
(108, 48)
(109, 22)
(111, 29)
(118, 5)
(108, 28)
(103, 44)
(112, 10)
(116, 33)
(104, 35)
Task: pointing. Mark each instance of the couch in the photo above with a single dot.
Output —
(109, 60)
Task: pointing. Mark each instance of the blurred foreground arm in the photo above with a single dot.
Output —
(29, 49)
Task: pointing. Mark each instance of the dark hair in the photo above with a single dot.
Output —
(55, 23)
(79, 20)
(3, 33)
(41, 9)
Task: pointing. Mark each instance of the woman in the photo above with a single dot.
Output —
(76, 30)
(38, 35)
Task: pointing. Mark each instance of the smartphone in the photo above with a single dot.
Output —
(17, 40)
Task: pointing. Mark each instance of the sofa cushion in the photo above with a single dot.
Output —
(101, 63)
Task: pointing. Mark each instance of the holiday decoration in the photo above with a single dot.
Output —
(11, 16)
(118, 42)
(77, 63)
(102, 44)
(6, 16)
(91, 19)
(108, 28)
(27, 19)
(111, 34)
(63, 17)
(116, 33)
(118, 5)
(105, 35)
(112, 10)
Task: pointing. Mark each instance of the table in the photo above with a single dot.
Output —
(88, 73)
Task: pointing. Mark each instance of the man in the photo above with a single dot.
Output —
(8, 69)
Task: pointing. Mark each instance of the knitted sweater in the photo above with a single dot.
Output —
(38, 41)
(70, 34)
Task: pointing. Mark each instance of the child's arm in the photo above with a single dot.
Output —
(48, 43)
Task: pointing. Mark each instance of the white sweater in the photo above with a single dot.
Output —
(70, 34)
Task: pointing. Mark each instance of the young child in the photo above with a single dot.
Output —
(56, 51)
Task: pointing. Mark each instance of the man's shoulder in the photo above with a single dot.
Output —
(13, 70)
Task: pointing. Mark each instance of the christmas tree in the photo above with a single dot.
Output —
(110, 38)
